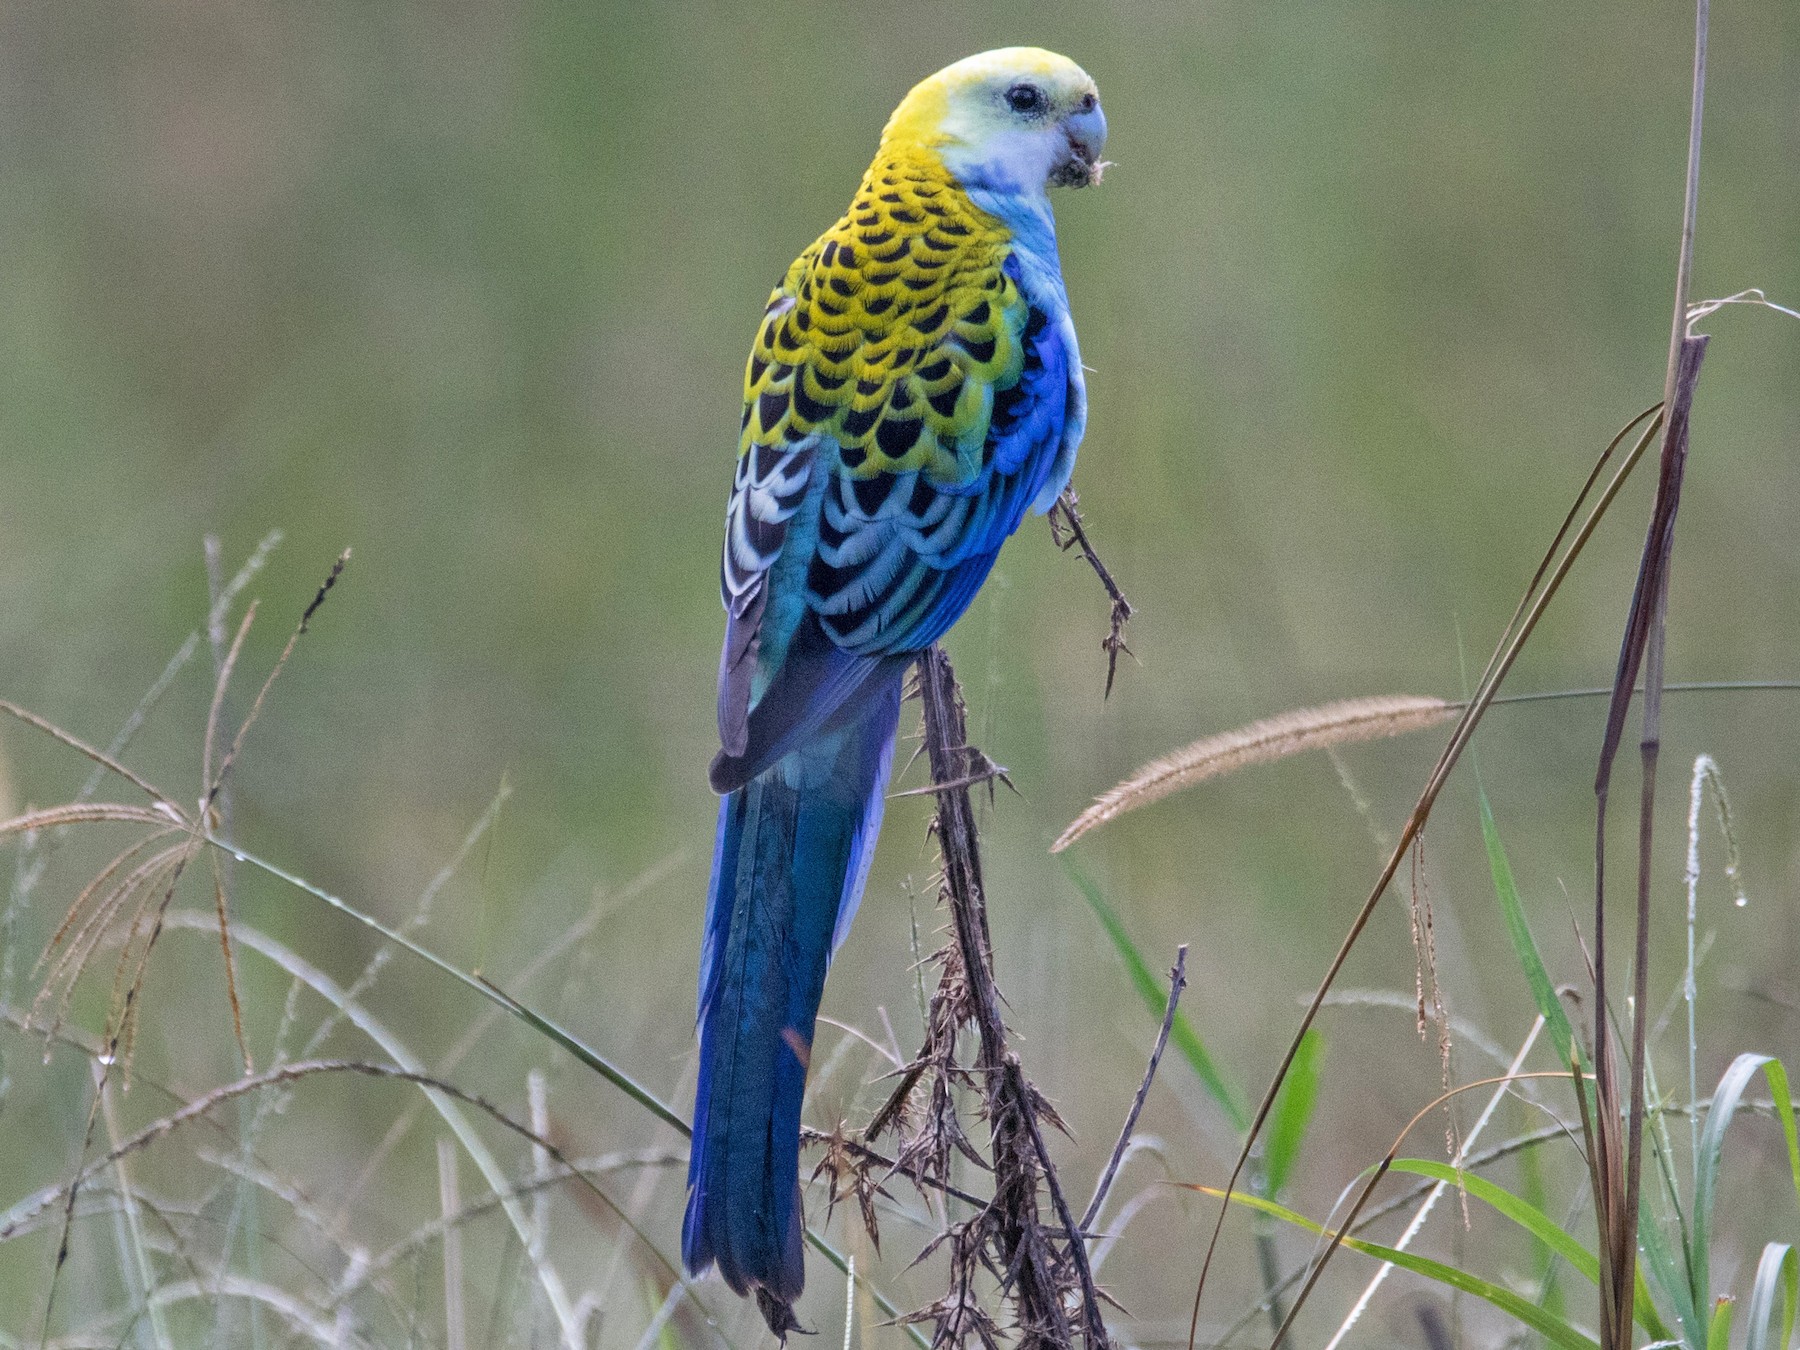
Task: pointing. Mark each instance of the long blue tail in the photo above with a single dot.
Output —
(791, 855)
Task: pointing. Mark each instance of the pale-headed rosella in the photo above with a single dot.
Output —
(914, 389)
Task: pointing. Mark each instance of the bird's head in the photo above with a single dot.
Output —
(1017, 119)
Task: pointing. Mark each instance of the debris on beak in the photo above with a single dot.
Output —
(1086, 132)
(1082, 168)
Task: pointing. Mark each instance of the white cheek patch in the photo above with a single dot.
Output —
(1017, 159)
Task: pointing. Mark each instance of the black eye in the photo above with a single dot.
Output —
(1025, 98)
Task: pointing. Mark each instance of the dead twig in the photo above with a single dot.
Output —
(1066, 514)
(895, 1166)
(1006, 1236)
(1177, 982)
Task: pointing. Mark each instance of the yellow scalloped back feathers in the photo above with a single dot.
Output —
(891, 333)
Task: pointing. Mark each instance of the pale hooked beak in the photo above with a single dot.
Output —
(1087, 138)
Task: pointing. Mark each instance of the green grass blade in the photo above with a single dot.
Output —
(1536, 1193)
(1291, 1114)
(1668, 1260)
(1668, 1275)
(1542, 1227)
(1666, 1270)
(1543, 991)
(1151, 990)
(1784, 1110)
(1727, 1097)
(1718, 1336)
(1778, 1271)
(1553, 1329)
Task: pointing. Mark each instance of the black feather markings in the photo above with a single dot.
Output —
(807, 407)
(928, 324)
(1006, 408)
(919, 501)
(872, 493)
(896, 435)
(899, 592)
(982, 351)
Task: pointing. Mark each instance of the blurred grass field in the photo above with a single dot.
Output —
(469, 288)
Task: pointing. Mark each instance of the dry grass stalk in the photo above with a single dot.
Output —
(1262, 742)
(139, 903)
(81, 813)
(1557, 561)
(19, 1217)
(99, 757)
(1617, 1164)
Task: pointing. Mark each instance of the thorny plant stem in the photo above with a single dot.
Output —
(1018, 1148)
(894, 1166)
(1068, 508)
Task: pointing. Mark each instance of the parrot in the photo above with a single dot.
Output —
(913, 389)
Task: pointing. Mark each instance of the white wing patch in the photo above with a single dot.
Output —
(766, 491)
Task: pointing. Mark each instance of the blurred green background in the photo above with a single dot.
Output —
(468, 287)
